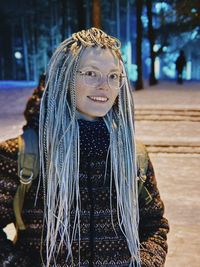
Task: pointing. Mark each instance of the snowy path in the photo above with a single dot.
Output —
(12, 105)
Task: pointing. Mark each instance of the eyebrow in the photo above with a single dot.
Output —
(95, 67)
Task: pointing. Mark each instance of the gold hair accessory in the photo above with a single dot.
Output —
(95, 37)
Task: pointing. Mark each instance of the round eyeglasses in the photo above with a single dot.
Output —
(94, 78)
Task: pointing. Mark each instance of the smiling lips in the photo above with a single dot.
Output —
(101, 99)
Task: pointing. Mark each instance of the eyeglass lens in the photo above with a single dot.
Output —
(94, 78)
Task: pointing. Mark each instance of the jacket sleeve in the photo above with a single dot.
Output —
(153, 227)
(9, 255)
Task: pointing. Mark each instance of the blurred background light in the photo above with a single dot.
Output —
(18, 55)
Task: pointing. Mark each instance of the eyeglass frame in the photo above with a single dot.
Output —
(107, 76)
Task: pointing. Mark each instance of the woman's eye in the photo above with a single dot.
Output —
(114, 76)
(90, 73)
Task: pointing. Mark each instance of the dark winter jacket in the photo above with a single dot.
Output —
(100, 246)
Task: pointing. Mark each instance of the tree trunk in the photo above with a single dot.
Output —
(81, 15)
(118, 19)
(33, 39)
(152, 78)
(51, 26)
(139, 81)
(34, 60)
(128, 36)
(57, 27)
(69, 31)
(128, 21)
(88, 14)
(13, 51)
(2, 69)
(25, 49)
(64, 21)
(96, 14)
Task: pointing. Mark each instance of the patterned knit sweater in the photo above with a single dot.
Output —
(100, 244)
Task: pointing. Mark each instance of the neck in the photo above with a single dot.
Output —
(85, 117)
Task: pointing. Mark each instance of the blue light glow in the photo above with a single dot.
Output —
(194, 34)
(160, 6)
(127, 56)
(18, 55)
(165, 49)
(156, 47)
(16, 84)
(169, 70)
(193, 10)
(157, 68)
(188, 70)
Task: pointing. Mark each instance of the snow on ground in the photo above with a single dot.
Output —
(12, 104)
(169, 94)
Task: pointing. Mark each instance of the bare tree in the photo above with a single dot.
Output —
(139, 28)
(118, 18)
(81, 14)
(96, 13)
(25, 49)
(64, 18)
(88, 14)
(12, 51)
(128, 20)
(151, 35)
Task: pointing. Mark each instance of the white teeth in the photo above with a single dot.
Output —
(99, 98)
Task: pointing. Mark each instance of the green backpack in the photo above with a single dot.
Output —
(28, 170)
(142, 166)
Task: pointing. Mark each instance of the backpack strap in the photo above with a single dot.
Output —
(28, 170)
(142, 166)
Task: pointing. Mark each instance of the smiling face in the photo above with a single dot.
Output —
(95, 101)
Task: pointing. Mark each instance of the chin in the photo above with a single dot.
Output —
(99, 114)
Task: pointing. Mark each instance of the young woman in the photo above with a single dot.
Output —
(97, 203)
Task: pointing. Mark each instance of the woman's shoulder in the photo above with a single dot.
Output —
(140, 147)
(9, 180)
(8, 158)
(9, 148)
(141, 153)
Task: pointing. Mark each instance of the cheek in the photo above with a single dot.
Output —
(79, 99)
(114, 95)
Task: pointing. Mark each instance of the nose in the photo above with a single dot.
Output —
(103, 85)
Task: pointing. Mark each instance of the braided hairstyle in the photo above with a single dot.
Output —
(60, 149)
(32, 110)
